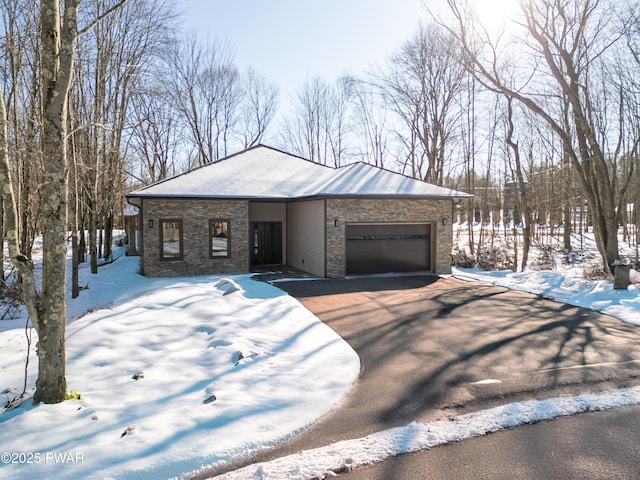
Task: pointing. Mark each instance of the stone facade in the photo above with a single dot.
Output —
(387, 210)
(195, 216)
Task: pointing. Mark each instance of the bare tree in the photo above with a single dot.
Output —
(565, 40)
(21, 80)
(260, 100)
(48, 311)
(422, 86)
(369, 122)
(155, 136)
(110, 67)
(205, 90)
(318, 126)
(47, 308)
(522, 189)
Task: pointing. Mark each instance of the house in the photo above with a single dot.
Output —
(263, 206)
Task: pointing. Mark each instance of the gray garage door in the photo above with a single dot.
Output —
(386, 247)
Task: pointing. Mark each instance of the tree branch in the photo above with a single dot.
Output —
(101, 17)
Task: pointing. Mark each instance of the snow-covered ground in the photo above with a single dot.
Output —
(573, 290)
(228, 366)
(565, 278)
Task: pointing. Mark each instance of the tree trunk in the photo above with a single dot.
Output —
(523, 196)
(566, 236)
(57, 65)
(75, 256)
(82, 247)
(93, 239)
(21, 261)
(108, 236)
(2, 237)
(49, 316)
(568, 204)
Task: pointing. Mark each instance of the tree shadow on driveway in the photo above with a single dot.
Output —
(434, 347)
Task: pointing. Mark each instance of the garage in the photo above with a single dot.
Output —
(387, 247)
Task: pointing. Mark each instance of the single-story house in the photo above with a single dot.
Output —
(263, 206)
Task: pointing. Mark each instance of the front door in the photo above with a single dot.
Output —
(266, 243)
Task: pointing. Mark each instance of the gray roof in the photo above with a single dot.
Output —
(266, 173)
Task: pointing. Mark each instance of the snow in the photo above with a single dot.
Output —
(227, 366)
(264, 172)
(270, 364)
(343, 456)
(580, 292)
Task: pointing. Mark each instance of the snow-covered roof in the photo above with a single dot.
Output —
(266, 173)
(130, 210)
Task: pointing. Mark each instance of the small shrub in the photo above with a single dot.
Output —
(495, 258)
(544, 260)
(73, 395)
(462, 259)
(595, 272)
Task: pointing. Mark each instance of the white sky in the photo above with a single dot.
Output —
(290, 40)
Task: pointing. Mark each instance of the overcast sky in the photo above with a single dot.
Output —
(290, 40)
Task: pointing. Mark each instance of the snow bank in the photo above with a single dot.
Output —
(596, 295)
(343, 456)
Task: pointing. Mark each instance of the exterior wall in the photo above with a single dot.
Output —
(387, 210)
(195, 215)
(306, 234)
(271, 212)
(312, 242)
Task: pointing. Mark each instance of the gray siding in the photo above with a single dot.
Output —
(305, 234)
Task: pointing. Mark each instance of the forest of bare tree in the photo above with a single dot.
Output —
(540, 121)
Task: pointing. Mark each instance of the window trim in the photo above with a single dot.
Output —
(161, 223)
(219, 220)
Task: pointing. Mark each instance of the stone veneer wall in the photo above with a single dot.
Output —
(195, 215)
(387, 210)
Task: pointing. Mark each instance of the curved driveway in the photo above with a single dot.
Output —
(434, 348)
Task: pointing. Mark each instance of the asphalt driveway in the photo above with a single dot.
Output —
(434, 348)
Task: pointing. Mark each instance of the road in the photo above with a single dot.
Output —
(599, 445)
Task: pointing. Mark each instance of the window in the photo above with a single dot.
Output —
(219, 238)
(171, 239)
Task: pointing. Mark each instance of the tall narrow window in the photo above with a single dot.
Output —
(219, 238)
(171, 239)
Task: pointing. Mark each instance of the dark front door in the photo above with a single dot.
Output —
(266, 239)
